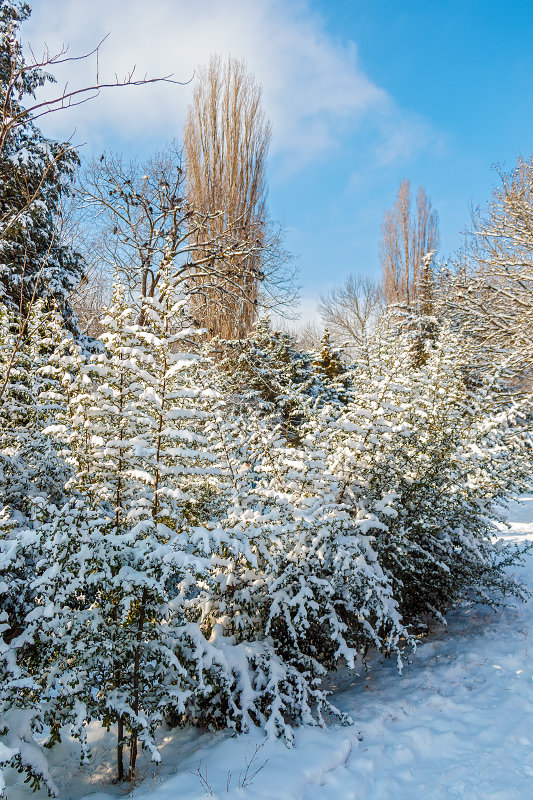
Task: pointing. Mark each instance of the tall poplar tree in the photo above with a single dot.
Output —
(226, 143)
(406, 237)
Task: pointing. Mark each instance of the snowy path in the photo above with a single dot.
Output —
(457, 724)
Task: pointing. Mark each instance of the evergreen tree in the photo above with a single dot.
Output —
(303, 584)
(265, 371)
(329, 365)
(35, 177)
(103, 619)
(136, 438)
(33, 473)
(31, 461)
(200, 564)
(257, 685)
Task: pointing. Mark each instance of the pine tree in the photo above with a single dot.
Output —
(329, 365)
(35, 177)
(265, 371)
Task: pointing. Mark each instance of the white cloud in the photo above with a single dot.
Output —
(314, 88)
(403, 135)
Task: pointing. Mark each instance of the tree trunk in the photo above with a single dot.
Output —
(120, 750)
(136, 685)
(118, 520)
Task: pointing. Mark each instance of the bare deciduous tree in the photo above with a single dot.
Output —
(20, 74)
(491, 293)
(306, 336)
(226, 145)
(350, 311)
(405, 239)
(25, 77)
(148, 225)
(91, 298)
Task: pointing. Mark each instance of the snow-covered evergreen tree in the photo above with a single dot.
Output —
(200, 564)
(329, 364)
(35, 176)
(135, 444)
(115, 564)
(265, 371)
(304, 584)
(31, 463)
(33, 473)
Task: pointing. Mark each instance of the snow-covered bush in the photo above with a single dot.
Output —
(32, 465)
(177, 552)
(109, 628)
(303, 581)
(424, 454)
(266, 372)
(102, 634)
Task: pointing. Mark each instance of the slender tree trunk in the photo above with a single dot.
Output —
(120, 750)
(136, 685)
(159, 437)
(117, 671)
(117, 677)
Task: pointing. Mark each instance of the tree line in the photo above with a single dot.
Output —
(484, 290)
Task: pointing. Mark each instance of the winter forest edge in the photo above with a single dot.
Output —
(202, 516)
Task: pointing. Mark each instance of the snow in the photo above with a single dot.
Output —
(456, 724)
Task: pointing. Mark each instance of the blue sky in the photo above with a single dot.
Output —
(361, 95)
(466, 70)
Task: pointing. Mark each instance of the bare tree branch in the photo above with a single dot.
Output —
(490, 292)
(13, 116)
(350, 312)
(147, 225)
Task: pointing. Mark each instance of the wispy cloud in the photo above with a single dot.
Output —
(315, 90)
(402, 135)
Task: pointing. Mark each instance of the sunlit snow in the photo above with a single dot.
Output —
(456, 724)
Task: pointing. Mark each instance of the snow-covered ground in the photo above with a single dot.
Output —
(457, 724)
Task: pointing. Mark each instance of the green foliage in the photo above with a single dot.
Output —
(329, 364)
(425, 457)
(31, 463)
(266, 372)
(207, 555)
(35, 178)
